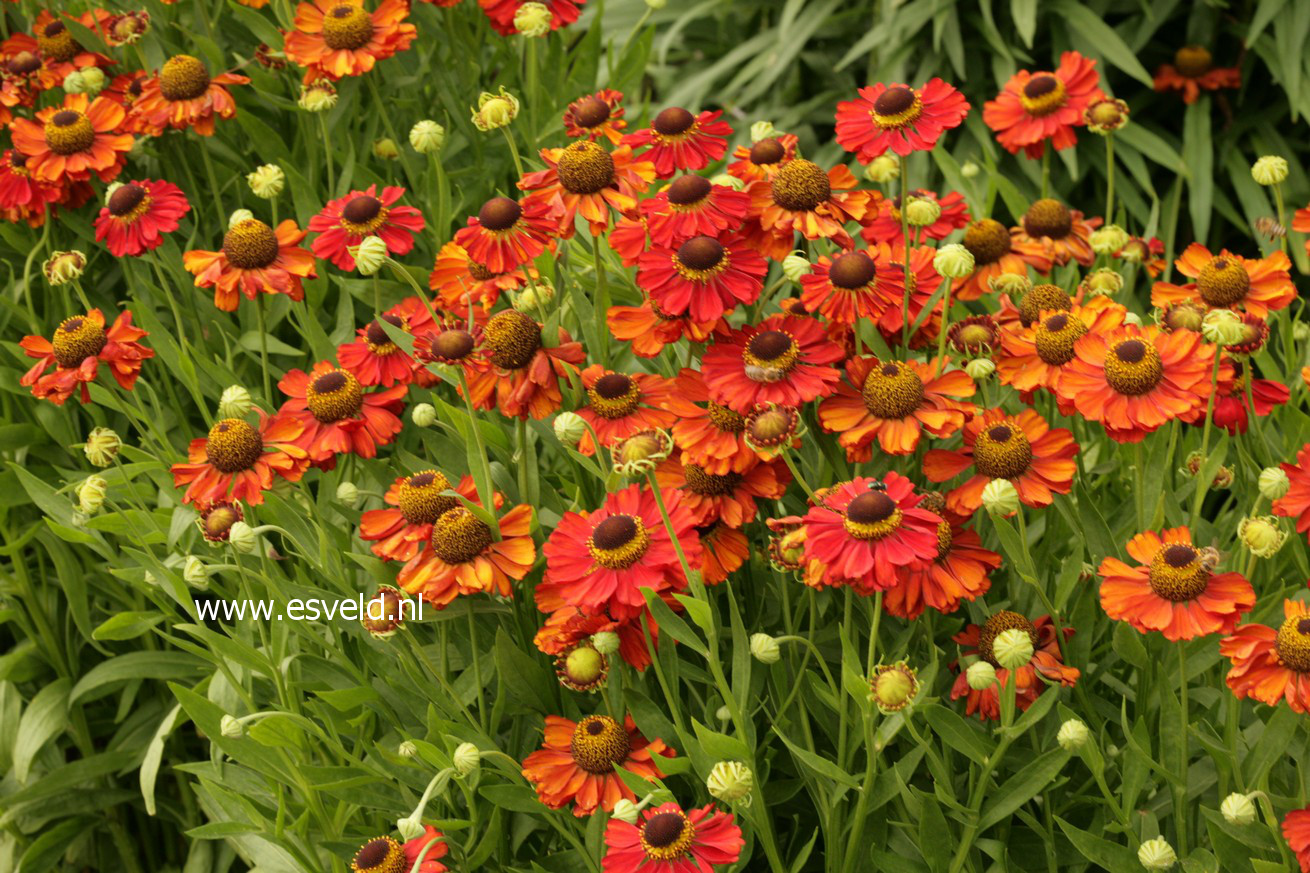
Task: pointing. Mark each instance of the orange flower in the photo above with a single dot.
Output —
(463, 557)
(238, 462)
(80, 345)
(1296, 830)
(254, 258)
(728, 498)
(726, 549)
(1033, 108)
(524, 375)
(1036, 355)
(710, 436)
(1296, 502)
(853, 285)
(620, 405)
(763, 159)
(376, 360)
(1134, 379)
(596, 115)
(461, 281)
(584, 179)
(802, 198)
(1172, 590)
(959, 572)
(650, 329)
(1192, 71)
(341, 38)
(398, 533)
(1060, 231)
(182, 96)
(61, 52)
(339, 417)
(74, 140)
(997, 250)
(1045, 668)
(1272, 665)
(1022, 448)
(1229, 281)
(576, 763)
(894, 401)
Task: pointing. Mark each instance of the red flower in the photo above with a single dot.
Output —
(344, 222)
(238, 462)
(725, 550)
(899, 118)
(501, 13)
(995, 252)
(576, 763)
(254, 258)
(649, 329)
(1229, 281)
(596, 115)
(959, 572)
(677, 140)
(80, 345)
(1230, 399)
(762, 159)
(376, 360)
(398, 534)
(785, 359)
(138, 214)
(1296, 502)
(620, 405)
(414, 850)
(728, 497)
(703, 277)
(524, 376)
(1272, 664)
(337, 415)
(853, 286)
(1046, 666)
(692, 206)
(669, 840)
(802, 198)
(460, 281)
(584, 179)
(566, 626)
(1036, 107)
(506, 233)
(886, 224)
(23, 197)
(1192, 71)
(1036, 355)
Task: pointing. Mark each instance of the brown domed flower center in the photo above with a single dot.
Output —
(614, 395)
(1193, 61)
(767, 151)
(233, 446)
(420, 499)
(69, 132)
(1293, 643)
(183, 78)
(23, 63)
(689, 190)
(591, 112)
(987, 240)
(725, 419)
(334, 395)
(872, 515)
(499, 213)
(1043, 298)
(1055, 337)
(770, 356)
(700, 257)
(376, 336)
(1133, 367)
(453, 344)
(250, 244)
(1177, 573)
(77, 339)
(382, 855)
(363, 214)
(127, 201)
(1048, 217)
(599, 742)
(56, 42)
(667, 836)
(710, 484)
(1183, 316)
(852, 270)
(898, 106)
(512, 339)
(892, 390)
(585, 168)
(801, 185)
(995, 626)
(618, 542)
(347, 27)
(1043, 94)
(673, 121)
(1002, 451)
(1223, 282)
(458, 536)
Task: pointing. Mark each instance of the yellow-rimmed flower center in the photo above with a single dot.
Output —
(852, 271)
(618, 542)
(1223, 282)
(709, 484)
(1193, 61)
(1043, 298)
(599, 742)
(674, 122)
(700, 259)
(725, 419)
(1048, 217)
(987, 240)
(183, 77)
(667, 836)
(250, 245)
(892, 390)
(376, 336)
(1177, 573)
(800, 185)
(1133, 367)
(1002, 451)
(382, 855)
(582, 668)
(872, 515)
(56, 42)
(23, 64)
(499, 214)
(420, 498)
(458, 536)
(688, 191)
(767, 151)
(585, 168)
(770, 356)
(1043, 94)
(233, 446)
(334, 395)
(128, 202)
(363, 214)
(591, 112)
(69, 132)
(897, 107)
(1293, 643)
(347, 27)
(512, 339)
(77, 339)
(1055, 336)
(614, 395)
(998, 623)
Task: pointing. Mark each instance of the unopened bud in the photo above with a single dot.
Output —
(625, 810)
(980, 676)
(605, 642)
(195, 572)
(243, 538)
(883, 169)
(1157, 854)
(407, 749)
(1261, 535)
(765, 648)
(1012, 648)
(1109, 239)
(980, 368)
(370, 255)
(267, 181)
(386, 149)
(1000, 497)
(466, 759)
(409, 828)
(533, 19)
(1073, 735)
(427, 137)
(569, 428)
(953, 261)
(235, 402)
(731, 782)
(1237, 809)
(1273, 483)
(923, 211)
(794, 266)
(231, 728)
(893, 687)
(1269, 170)
(91, 494)
(424, 415)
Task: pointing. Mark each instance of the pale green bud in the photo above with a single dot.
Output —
(1157, 854)
(1269, 170)
(981, 675)
(1273, 483)
(370, 255)
(427, 137)
(102, 446)
(1237, 809)
(1073, 735)
(953, 261)
(731, 782)
(235, 402)
(765, 648)
(1012, 648)
(1000, 497)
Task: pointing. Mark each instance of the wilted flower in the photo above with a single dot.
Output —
(495, 110)
(893, 686)
(1109, 239)
(638, 454)
(731, 782)
(883, 169)
(765, 648)
(424, 414)
(384, 613)
(1013, 647)
(369, 255)
(267, 181)
(1269, 170)
(770, 427)
(582, 668)
(1105, 115)
(91, 494)
(1273, 483)
(235, 402)
(1261, 535)
(533, 19)
(1073, 735)
(102, 446)
(427, 137)
(63, 267)
(1157, 854)
(1102, 281)
(466, 759)
(953, 261)
(1237, 809)
(1000, 497)
(980, 676)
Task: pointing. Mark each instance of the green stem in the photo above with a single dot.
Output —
(602, 299)
(946, 320)
(1046, 170)
(327, 150)
(1109, 178)
(1180, 790)
(213, 185)
(1201, 484)
(263, 350)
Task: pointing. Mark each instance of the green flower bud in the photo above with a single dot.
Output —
(231, 728)
(883, 169)
(1237, 809)
(981, 675)
(532, 19)
(1000, 497)
(731, 782)
(1261, 535)
(1073, 735)
(625, 810)
(605, 642)
(466, 759)
(1273, 483)
(102, 446)
(235, 402)
(370, 255)
(1109, 239)
(765, 648)
(243, 538)
(195, 572)
(91, 494)
(1269, 170)
(569, 428)
(424, 415)
(794, 266)
(953, 261)
(427, 137)
(980, 368)
(1012, 647)
(923, 211)
(1157, 854)
(267, 181)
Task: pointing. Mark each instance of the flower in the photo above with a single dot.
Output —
(337, 415)
(599, 561)
(677, 140)
(74, 140)
(64, 267)
(996, 252)
(1036, 459)
(463, 556)
(892, 687)
(1061, 232)
(731, 782)
(1134, 379)
(376, 360)
(1046, 665)
(238, 462)
(728, 497)
(1173, 589)
(899, 118)
(23, 197)
(506, 233)
(1034, 108)
(1226, 281)
(1105, 116)
(620, 405)
(317, 96)
(183, 96)
(219, 519)
(1192, 71)
(585, 179)
(414, 503)
(1237, 809)
(495, 111)
(380, 855)
(582, 668)
(336, 38)
(533, 19)
(693, 206)
(785, 359)
(501, 13)
(959, 571)
(1269, 170)
(1156, 854)
(137, 215)
(77, 349)
(1272, 664)
(430, 845)
(427, 137)
(576, 763)
(1261, 535)
(703, 277)
(460, 280)
(710, 436)
(1073, 734)
(867, 532)
(102, 446)
(1296, 830)
(596, 115)
(1035, 356)
(346, 221)
(802, 197)
(893, 402)
(91, 494)
(671, 840)
(267, 181)
(254, 258)
(523, 379)
(763, 158)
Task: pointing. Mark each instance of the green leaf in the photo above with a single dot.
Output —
(1092, 36)
(1111, 856)
(1272, 744)
(126, 625)
(669, 622)
(956, 732)
(1022, 786)
(817, 764)
(1024, 13)
(137, 665)
(934, 836)
(1198, 155)
(516, 798)
(154, 755)
(43, 719)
